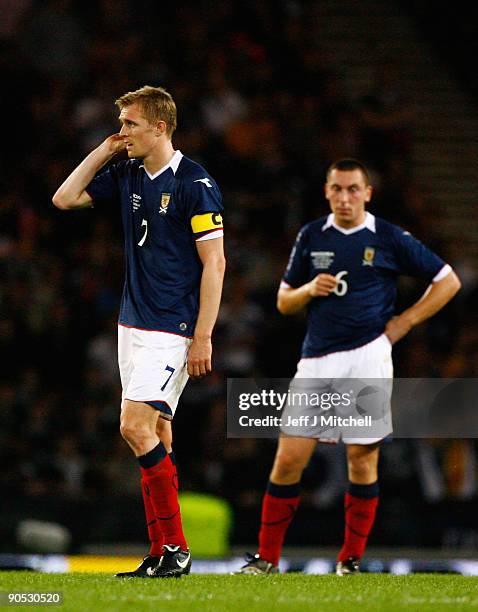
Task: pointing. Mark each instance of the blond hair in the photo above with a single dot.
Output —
(156, 103)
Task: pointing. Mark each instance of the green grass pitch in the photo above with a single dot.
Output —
(213, 592)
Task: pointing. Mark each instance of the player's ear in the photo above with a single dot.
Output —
(368, 193)
(160, 128)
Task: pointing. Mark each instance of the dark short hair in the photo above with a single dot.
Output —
(347, 164)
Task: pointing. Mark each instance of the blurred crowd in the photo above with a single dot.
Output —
(260, 107)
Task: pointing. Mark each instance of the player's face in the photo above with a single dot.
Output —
(347, 193)
(139, 135)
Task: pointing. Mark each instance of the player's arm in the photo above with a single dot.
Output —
(71, 194)
(211, 253)
(291, 300)
(437, 295)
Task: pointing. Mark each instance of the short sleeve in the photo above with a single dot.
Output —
(297, 271)
(414, 258)
(203, 206)
(206, 226)
(104, 187)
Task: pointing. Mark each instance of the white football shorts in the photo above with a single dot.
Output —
(153, 367)
(367, 372)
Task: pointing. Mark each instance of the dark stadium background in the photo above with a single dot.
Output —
(269, 93)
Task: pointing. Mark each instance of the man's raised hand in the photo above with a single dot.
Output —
(114, 144)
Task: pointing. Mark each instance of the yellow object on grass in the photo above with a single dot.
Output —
(110, 565)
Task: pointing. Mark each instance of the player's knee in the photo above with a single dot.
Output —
(134, 432)
(127, 431)
(361, 467)
(287, 466)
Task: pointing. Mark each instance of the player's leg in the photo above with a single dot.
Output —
(165, 434)
(153, 524)
(158, 375)
(361, 502)
(280, 502)
(159, 483)
(138, 424)
(372, 363)
(138, 427)
(164, 431)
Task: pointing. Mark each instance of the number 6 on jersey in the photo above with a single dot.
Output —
(341, 287)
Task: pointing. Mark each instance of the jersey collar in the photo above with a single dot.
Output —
(173, 164)
(369, 223)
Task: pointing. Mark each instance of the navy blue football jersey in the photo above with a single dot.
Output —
(366, 261)
(163, 217)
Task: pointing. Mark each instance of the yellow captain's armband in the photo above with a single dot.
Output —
(206, 222)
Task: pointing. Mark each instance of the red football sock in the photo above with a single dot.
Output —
(277, 514)
(359, 519)
(154, 527)
(162, 482)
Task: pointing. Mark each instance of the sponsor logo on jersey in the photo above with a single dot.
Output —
(163, 205)
(206, 222)
(206, 181)
(322, 260)
(135, 200)
(368, 256)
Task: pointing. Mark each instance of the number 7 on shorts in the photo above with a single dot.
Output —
(168, 368)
